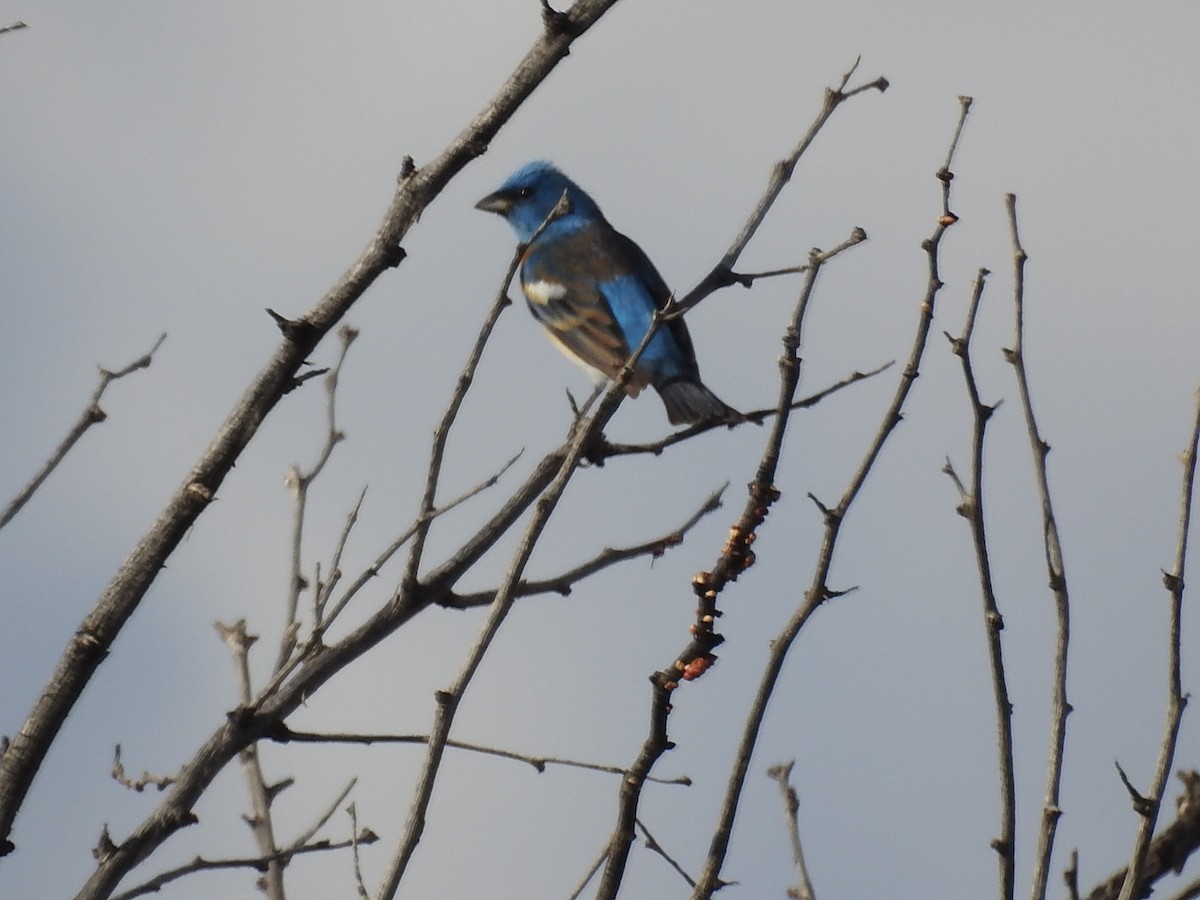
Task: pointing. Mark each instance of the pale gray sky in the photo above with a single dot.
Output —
(178, 168)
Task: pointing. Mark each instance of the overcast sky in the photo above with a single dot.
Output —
(180, 167)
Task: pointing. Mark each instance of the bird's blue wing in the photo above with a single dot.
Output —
(562, 281)
(595, 291)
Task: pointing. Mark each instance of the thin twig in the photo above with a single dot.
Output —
(791, 807)
(91, 415)
(564, 582)
(94, 638)
(258, 863)
(162, 782)
(388, 552)
(1071, 876)
(355, 840)
(1170, 849)
(735, 558)
(311, 832)
(1173, 581)
(758, 416)
(971, 508)
(316, 639)
(781, 174)
(466, 378)
(441, 434)
(1189, 892)
(324, 589)
(589, 875)
(819, 591)
(1060, 708)
(285, 735)
(585, 431)
(260, 821)
(298, 482)
(655, 847)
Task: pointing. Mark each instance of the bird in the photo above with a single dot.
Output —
(595, 292)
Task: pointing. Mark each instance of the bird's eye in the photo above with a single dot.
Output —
(525, 193)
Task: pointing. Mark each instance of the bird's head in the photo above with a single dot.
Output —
(529, 195)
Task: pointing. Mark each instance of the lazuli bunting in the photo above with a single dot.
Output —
(595, 292)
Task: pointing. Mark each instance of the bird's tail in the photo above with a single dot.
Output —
(689, 402)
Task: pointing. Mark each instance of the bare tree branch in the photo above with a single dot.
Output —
(605, 449)
(1168, 851)
(791, 807)
(1191, 892)
(721, 274)
(1057, 573)
(1173, 581)
(311, 832)
(303, 664)
(655, 847)
(709, 880)
(359, 886)
(258, 863)
(589, 875)
(448, 700)
(285, 735)
(261, 794)
(380, 561)
(735, 558)
(563, 583)
(418, 187)
(91, 415)
(298, 482)
(139, 784)
(1071, 876)
(971, 508)
(323, 589)
(442, 433)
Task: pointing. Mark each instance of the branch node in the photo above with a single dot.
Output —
(556, 22)
(105, 846)
(395, 255)
(1143, 806)
(298, 331)
(200, 492)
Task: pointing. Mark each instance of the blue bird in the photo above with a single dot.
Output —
(595, 291)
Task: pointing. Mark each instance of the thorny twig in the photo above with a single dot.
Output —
(1060, 708)
(92, 414)
(971, 508)
(709, 880)
(655, 847)
(262, 795)
(257, 863)
(1173, 581)
(417, 188)
(564, 582)
(298, 482)
(791, 807)
(285, 735)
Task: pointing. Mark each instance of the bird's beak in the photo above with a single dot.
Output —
(500, 202)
